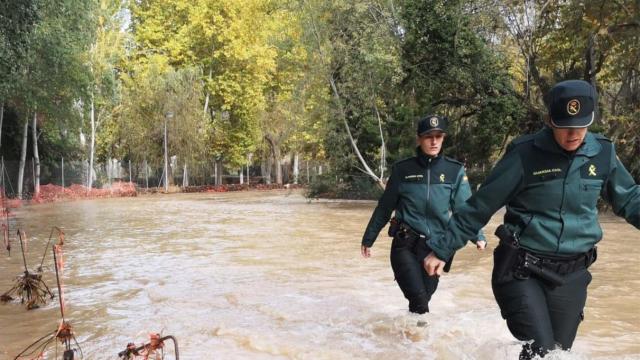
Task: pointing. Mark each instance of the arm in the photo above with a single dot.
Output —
(503, 183)
(382, 213)
(623, 193)
(462, 192)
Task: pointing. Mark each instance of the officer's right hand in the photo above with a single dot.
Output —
(366, 251)
(433, 265)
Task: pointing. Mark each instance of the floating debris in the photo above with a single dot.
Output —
(29, 287)
(60, 243)
(6, 239)
(64, 333)
(154, 349)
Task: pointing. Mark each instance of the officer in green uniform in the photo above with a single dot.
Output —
(423, 190)
(550, 183)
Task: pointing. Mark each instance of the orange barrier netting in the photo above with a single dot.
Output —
(52, 193)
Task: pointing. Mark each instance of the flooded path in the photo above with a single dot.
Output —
(269, 275)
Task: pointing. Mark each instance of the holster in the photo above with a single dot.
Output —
(510, 261)
(404, 237)
(394, 226)
(506, 256)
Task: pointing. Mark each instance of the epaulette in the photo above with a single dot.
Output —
(520, 140)
(453, 160)
(601, 137)
(403, 160)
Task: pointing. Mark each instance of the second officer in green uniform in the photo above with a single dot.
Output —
(423, 190)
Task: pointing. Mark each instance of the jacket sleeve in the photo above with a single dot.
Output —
(462, 192)
(382, 213)
(623, 193)
(502, 184)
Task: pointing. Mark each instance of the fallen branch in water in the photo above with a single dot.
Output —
(29, 286)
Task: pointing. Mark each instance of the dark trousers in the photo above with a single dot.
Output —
(416, 285)
(548, 315)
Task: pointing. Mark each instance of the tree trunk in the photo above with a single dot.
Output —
(296, 170)
(185, 176)
(219, 172)
(590, 61)
(36, 157)
(266, 168)
(278, 163)
(215, 173)
(241, 176)
(166, 158)
(146, 174)
(383, 148)
(1, 119)
(275, 152)
(248, 166)
(93, 144)
(206, 99)
(23, 156)
(308, 175)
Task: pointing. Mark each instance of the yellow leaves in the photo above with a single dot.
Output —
(252, 48)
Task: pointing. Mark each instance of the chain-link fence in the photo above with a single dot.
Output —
(145, 175)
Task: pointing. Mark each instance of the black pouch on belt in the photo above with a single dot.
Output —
(505, 256)
(394, 226)
(403, 240)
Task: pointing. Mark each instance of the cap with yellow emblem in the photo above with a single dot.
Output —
(432, 123)
(571, 104)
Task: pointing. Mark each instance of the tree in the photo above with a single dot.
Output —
(105, 55)
(16, 26)
(152, 90)
(228, 40)
(359, 50)
(54, 74)
(451, 70)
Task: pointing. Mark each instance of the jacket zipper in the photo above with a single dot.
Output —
(428, 179)
(564, 188)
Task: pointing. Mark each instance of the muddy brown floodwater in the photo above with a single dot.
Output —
(270, 275)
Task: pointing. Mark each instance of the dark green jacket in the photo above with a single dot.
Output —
(550, 196)
(422, 190)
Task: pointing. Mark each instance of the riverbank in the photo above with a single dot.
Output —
(53, 193)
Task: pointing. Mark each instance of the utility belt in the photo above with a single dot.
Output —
(403, 235)
(512, 261)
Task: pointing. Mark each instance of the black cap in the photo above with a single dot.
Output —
(571, 104)
(431, 123)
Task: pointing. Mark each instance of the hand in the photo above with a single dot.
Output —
(481, 245)
(366, 251)
(433, 265)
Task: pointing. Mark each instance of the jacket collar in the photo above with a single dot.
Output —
(423, 159)
(544, 140)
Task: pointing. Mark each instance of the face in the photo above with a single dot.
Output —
(431, 142)
(569, 139)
